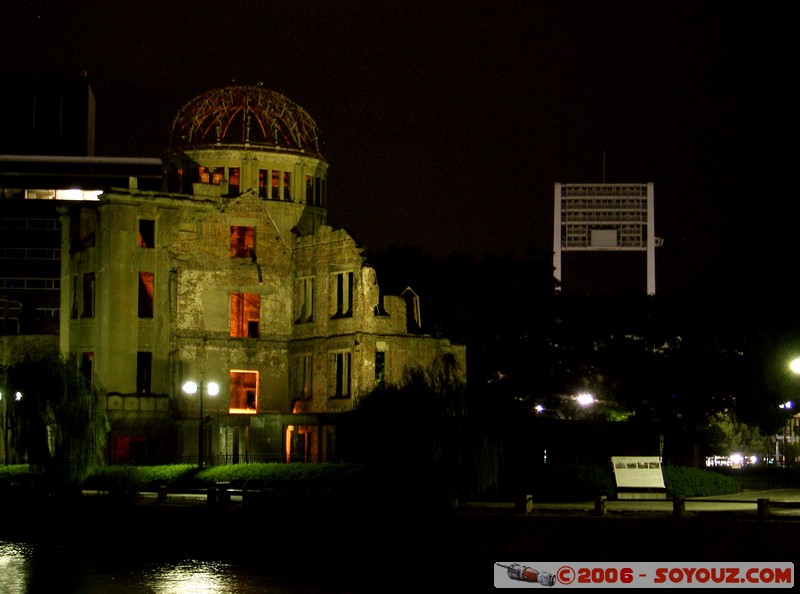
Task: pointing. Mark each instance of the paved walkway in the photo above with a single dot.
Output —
(782, 502)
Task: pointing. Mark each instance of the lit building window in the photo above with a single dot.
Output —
(243, 242)
(233, 181)
(262, 182)
(146, 294)
(245, 315)
(244, 392)
(340, 376)
(276, 185)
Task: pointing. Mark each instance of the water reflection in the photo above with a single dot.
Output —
(190, 577)
(28, 568)
(13, 567)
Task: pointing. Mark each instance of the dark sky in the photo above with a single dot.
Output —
(447, 123)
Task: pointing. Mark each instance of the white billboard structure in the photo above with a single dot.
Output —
(605, 218)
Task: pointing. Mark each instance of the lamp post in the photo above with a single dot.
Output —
(191, 387)
(17, 397)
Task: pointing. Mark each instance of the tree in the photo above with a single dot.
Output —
(62, 427)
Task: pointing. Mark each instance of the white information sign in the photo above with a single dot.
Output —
(638, 472)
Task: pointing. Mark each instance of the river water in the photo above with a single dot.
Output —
(47, 569)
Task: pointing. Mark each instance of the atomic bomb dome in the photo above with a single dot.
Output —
(245, 115)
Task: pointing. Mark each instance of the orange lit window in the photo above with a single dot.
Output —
(245, 314)
(243, 242)
(203, 175)
(146, 294)
(276, 185)
(244, 392)
(262, 183)
(233, 181)
(218, 175)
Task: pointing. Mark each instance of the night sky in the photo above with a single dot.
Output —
(446, 124)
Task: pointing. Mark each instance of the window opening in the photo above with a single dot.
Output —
(146, 294)
(244, 392)
(245, 315)
(262, 183)
(301, 371)
(343, 294)
(276, 185)
(287, 183)
(88, 295)
(243, 242)
(341, 375)
(147, 233)
(306, 304)
(233, 181)
(144, 369)
(87, 366)
(380, 368)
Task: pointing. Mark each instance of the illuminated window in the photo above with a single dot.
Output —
(217, 176)
(244, 392)
(300, 376)
(262, 182)
(276, 185)
(146, 294)
(203, 175)
(144, 369)
(88, 295)
(243, 242)
(305, 293)
(287, 183)
(147, 233)
(343, 294)
(245, 314)
(340, 376)
(233, 181)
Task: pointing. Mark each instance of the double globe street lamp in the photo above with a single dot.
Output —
(190, 388)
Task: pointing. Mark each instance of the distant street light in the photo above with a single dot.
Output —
(17, 398)
(191, 387)
(585, 399)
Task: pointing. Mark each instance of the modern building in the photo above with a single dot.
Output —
(607, 218)
(229, 274)
(46, 158)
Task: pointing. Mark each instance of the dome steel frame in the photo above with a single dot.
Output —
(252, 111)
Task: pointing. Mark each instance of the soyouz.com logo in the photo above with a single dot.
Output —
(510, 574)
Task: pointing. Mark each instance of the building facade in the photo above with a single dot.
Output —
(230, 275)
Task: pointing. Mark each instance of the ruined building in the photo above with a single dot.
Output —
(231, 275)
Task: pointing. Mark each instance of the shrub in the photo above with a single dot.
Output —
(684, 481)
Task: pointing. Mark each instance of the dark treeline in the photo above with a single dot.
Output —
(675, 359)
